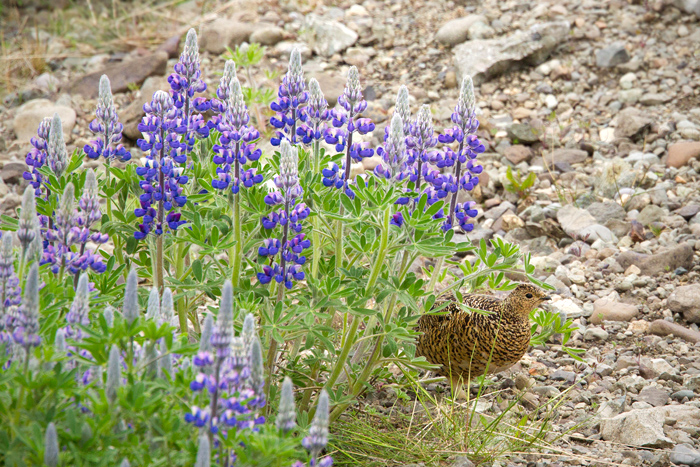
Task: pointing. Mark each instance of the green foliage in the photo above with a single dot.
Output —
(518, 185)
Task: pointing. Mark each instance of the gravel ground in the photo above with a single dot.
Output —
(597, 98)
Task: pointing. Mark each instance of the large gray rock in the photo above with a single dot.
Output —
(328, 37)
(565, 155)
(631, 123)
(122, 75)
(689, 6)
(661, 327)
(686, 299)
(612, 55)
(639, 427)
(650, 214)
(683, 453)
(222, 33)
(616, 174)
(456, 31)
(30, 115)
(605, 309)
(483, 59)
(605, 211)
(131, 116)
(680, 256)
(267, 34)
(580, 224)
(525, 132)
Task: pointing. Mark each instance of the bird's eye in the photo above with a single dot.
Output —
(528, 295)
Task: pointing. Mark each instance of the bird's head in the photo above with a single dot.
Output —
(526, 297)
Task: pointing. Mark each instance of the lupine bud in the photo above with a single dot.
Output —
(353, 89)
(286, 419)
(318, 433)
(257, 373)
(222, 334)
(90, 200)
(36, 247)
(167, 310)
(165, 362)
(65, 213)
(236, 103)
(26, 332)
(288, 179)
(79, 313)
(130, 311)
(150, 359)
(51, 446)
(317, 102)
(224, 90)
(106, 127)
(205, 338)
(57, 154)
(125, 463)
(248, 331)
(60, 341)
(108, 314)
(464, 114)
(114, 374)
(394, 155)
(28, 223)
(153, 310)
(403, 108)
(6, 257)
(203, 452)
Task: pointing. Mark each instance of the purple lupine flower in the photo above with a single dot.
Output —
(162, 180)
(28, 225)
(289, 217)
(25, 330)
(421, 141)
(291, 95)
(72, 228)
(56, 152)
(402, 108)
(185, 83)
(36, 157)
(107, 128)
(346, 123)
(466, 124)
(236, 143)
(316, 115)
(394, 154)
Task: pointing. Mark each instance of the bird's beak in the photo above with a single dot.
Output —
(547, 298)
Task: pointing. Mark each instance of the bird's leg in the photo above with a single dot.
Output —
(458, 392)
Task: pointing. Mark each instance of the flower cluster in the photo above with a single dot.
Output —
(72, 228)
(289, 217)
(185, 83)
(23, 323)
(230, 368)
(107, 127)
(291, 95)
(345, 124)
(236, 144)
(162, 179)
(316, 115)
(36, 157)
(223, 92)
(10, 290)
(317, 439)
(394, 153)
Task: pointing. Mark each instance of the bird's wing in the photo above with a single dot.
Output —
(482, 302)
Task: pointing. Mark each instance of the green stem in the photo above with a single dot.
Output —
(272, 351)
(339, 243)
(158, 270)
(20, 398)
(351, 335)
(235, 250)
(436, 272)
(179, 273)
(315, 234)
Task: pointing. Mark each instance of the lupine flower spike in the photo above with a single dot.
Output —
(289, 217)
(345, 124)
(236, 144)
(25, 327)
(317, 439)
(185, 83)
(220, 104)
(10, 291)
(421, 141)
(38, 155)
(114, 375)
(79, 313)
(107, 128)
(466, 124)
(291, 95)
(162, 180)
(56, 153)
(203, 452)
(130, 311)
(286, 419)
(28, 227)
(316, 115)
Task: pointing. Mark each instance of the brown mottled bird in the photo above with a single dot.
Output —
(465, 344)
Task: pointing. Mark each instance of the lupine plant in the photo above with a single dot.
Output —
(141, 367)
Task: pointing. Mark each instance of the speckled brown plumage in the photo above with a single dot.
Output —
(462, 342)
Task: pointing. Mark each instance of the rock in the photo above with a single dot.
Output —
(568, 307)
(661, 327)
(456, 31)
(222, 33)
(685, 454)
(578, 223)
(680, 153)
(654, 396)
(171, 46)
(563, 375)
(483, 59)
(462, 461)
(603, 212)
(688, 211)
(122, 75)
(605, 309)
(30, 115)
(680, 256)
(617, 174)
(686, 299)
(650, 214)
(594, 333)
(524, 133)
(565, 155)
(639, 427)
(12, 172)
(654, 99)
(613, 55)
(682, 394)
(331, 85)
(517, 154)
(266, 34)
(328, 37)
(632, 124)
(131, 116)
